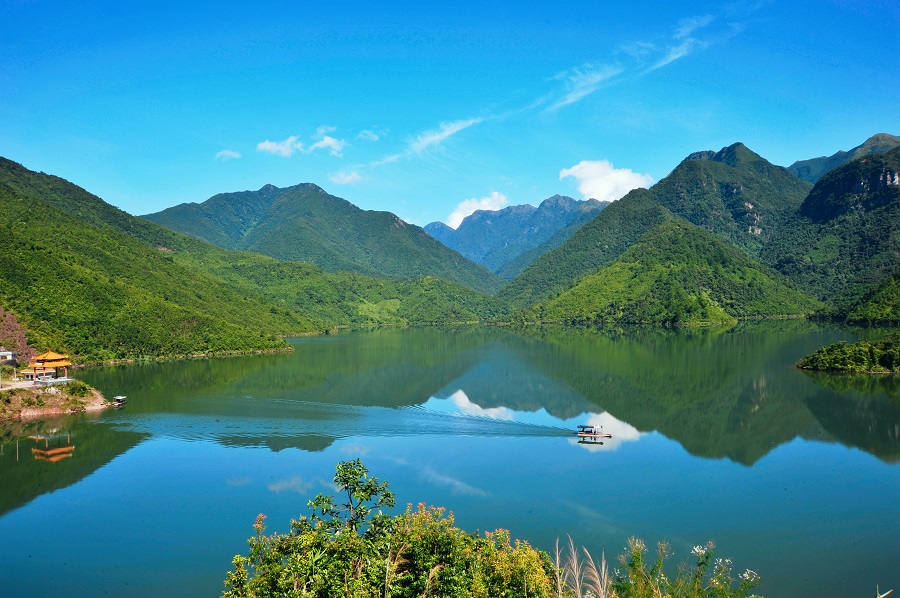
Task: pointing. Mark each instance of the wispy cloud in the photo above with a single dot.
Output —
(680, 51)
(691, 24)
(456, 485)
(227, 154)
(439, 135)
(494, 201)
(583, 81)
(345, 178)
(367, 135)
(598, 179)
(688, 43)
(293, 484)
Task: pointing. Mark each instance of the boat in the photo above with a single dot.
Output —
(588, 431)
(119, 401)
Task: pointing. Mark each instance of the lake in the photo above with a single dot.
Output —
(715, 436)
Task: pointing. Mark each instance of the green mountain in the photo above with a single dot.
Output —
(676, 274)
(494, 238)
(844, 240)
(94, 291)
(303, 223)
(88, 279)
(598, 242)
(812, 170)
(734, 193)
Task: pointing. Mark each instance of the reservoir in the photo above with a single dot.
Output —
(715, 436)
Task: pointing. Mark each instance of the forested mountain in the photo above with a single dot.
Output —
(812, 170)
(598, 242)
(845, 238)
(494, 238)
(85, 287)
(734, 193)
(676, 274)
(303, 223)
(88, 279)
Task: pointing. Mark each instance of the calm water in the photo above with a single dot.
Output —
(715, 436)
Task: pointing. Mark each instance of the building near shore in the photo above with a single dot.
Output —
(46, 367)
(7, 355)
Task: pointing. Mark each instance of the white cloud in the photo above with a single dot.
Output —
(598, 179)
(679, 51)
(582, 82)
(494, 201)
(334, 146)
(688, 26)
(462, 402)
(325, 130)
(345, 178)
(430, 138)
(227, 154)
(456, 486)
(367, 135)
(281, 148)
(294, 484)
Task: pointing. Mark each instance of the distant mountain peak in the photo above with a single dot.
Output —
(732, 155)
(813, 169)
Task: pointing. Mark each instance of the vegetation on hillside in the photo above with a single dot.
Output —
(844, 240)
(347, 549)
(875, 357)
(303, 223)
(598, 242)
(88, 279)
(812, 170)
(494, 238)
(677, 274)
(735, 194)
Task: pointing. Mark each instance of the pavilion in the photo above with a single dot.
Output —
(46, 366)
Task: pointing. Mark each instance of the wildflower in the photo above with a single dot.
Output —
(698, 551)
(750, 576)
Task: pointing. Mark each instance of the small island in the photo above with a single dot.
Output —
(861, 357)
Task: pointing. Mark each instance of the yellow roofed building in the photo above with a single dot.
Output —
(46, 366)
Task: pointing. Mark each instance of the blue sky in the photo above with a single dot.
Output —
(430, 111)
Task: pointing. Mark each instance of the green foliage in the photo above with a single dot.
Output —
(597, 243)
(494, 238)
(363, 495)
(860, 357)
(420, 553)
(303, 223)
(844, 241)
(76, 388)
(677, 274)
(813, 169)
(735, 194)
(880, 306)
(706, 578)
(413, 554)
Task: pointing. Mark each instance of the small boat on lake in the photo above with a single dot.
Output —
(588, 431)
(119, 401)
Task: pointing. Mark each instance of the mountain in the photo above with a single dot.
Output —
(812, 170)
(598, 242)
(303, 223)
(845, 238)
(734, 193)
(493, 238)
(676, 274)
(85, 287)
(91, 280)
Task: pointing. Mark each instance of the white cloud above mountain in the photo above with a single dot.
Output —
(599, 179)
(494, 201)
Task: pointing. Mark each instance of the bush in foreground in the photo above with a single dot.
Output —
(350, 549)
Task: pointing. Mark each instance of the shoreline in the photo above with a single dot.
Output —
(29, 402)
